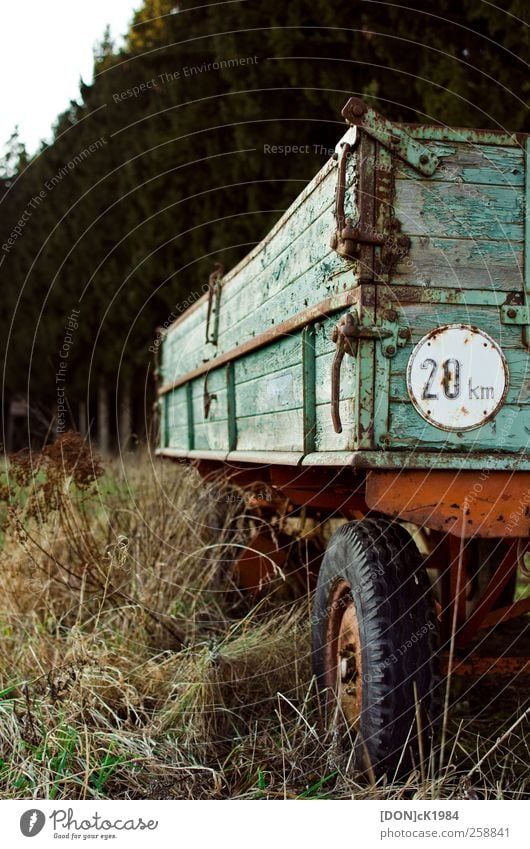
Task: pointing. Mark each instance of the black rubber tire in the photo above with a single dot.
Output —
(393, 602)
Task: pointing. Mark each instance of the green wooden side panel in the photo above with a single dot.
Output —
(465, 221)
(467, 229)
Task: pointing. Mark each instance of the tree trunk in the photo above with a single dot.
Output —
(82, 419)
(103, 419)
(125, 428)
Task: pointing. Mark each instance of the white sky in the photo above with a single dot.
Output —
(46, 46)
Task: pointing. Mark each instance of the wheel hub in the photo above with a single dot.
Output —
(343, 655)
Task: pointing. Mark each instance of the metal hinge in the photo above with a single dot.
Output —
(391, 136)
(346, 335)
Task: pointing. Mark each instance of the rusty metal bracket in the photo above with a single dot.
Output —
(515, 314)
(348, 238)
(214, 299)
(391, 136)
(346, 335)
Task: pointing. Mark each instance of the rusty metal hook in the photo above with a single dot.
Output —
(346, 337)
(214, 291)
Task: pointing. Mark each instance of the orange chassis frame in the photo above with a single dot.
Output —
(456, 507)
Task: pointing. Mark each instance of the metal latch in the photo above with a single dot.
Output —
(346, 335)
(391, 136)
(214, 298)
(348, 237)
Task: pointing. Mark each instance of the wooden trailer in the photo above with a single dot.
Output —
(369, 359)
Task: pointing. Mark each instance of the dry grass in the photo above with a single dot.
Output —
(130, 666)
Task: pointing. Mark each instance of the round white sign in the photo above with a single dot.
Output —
(457, 377)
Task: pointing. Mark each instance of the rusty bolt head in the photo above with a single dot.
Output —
(404, 333)
(511, 313)
(390, 350)
(358, 110)
(403, 241)
(424, 159)
(391, 315)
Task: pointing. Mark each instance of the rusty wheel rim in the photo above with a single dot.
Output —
(343, 661)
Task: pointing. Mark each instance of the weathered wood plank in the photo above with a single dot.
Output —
(408, 430)
(281, 390)
(178, 437)
(463, 263)
(422, 318)
(491, 165)
(282, 431)
(280, 354)
(326, 438)
(460, 210)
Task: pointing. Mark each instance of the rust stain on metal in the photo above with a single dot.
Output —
(437, 499)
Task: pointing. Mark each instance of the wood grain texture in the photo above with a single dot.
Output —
(461, 263)
(460, 210)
